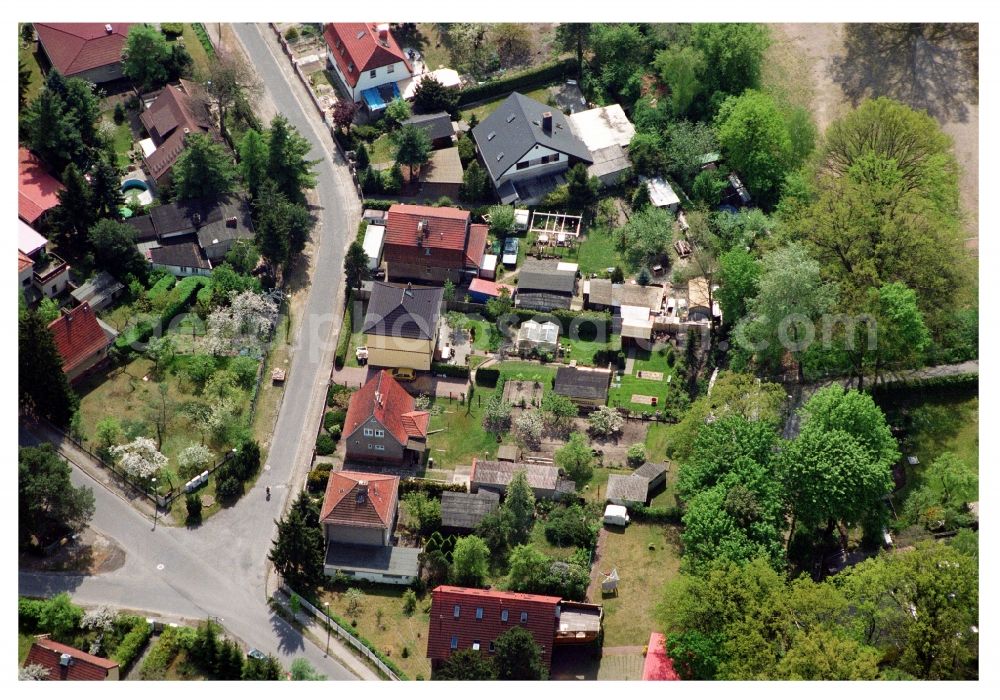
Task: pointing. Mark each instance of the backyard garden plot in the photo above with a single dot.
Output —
(646, 556)
(652, 376)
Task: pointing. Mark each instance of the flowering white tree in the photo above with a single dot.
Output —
(102, 619)
(606, 421)
(528, 427)
(245, 322)
(139, 458)
(32, 672)
(194, 459)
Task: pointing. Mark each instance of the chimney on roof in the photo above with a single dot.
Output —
(109, 29)
(362, 494)
(65, 660)
(383, 32)
(408, 291)
(231, 222)
(547, 122)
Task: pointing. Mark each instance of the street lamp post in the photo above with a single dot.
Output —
(156, 503)
(327, 628)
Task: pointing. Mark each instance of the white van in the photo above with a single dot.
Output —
(616, 515)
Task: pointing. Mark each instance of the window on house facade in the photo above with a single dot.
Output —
(503, 615)
(524, 617)
(55, 289)
(371, 74)
(379, 433)
(427, 251)
(369, 432)
(479, 613)
(390, 69)
(454, 642)
(475, 645)
(380, 448)
(493, 647)
(457, 611)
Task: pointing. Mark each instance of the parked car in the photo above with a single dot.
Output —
(510, 247)
(403, 374)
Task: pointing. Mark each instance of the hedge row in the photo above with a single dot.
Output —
(163, 653)
(518, 81)
(961, 382)
(382, 204)
(431, 488)
(133, 644)
(647, 514)
(344, 342)
(202, 34)
(487, 376)
(450, 370)
(183, 295)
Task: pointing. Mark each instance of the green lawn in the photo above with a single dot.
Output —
(649, 361)
(583, 351)
(358, 339)
(381, 150)
(484, 110)
(199, 56)
(29, 54)
(656, 441)
(646, 556)
(528, 371)
(123, 141)
(597, 252)
(461, 436)
(24, 642)
(433, 50)
(396, 631)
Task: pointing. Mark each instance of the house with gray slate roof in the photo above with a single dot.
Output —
(526, 147)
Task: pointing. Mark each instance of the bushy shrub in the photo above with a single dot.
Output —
(571, 526)
(229, 489)
(172, 29)
(245, 369)
(119, 115)
(366, 132)
(193, 504)
(334, 418)
(636, 455)
(133, 643)
(409, 602)
(317, 480)
(163, 653)
(487, 376)
(335, 432)
(338, 396)
(29, 612)
(291, 34)
(325, 444)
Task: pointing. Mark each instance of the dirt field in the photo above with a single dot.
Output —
(92, 553)
(931, 67)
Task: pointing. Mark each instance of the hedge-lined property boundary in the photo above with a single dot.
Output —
(530, 78)
(967, 380)
(344, 342)
(460, 371)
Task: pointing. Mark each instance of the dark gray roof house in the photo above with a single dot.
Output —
(437, 125)
(216, 224)
(183, 258)
(635, 488)
(544, 480)
(464, 511)
(404, 311)
(99, 291)
(543, 287)
(524, 142)
(588, 386)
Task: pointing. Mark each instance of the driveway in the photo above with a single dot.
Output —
(221, 568)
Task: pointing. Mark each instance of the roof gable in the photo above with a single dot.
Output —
(385, 400)
(516, 128)
(357, 45)
(444, 228)
(358, 499)
(403, 311)
(77, 336)
(37, 190)
(77, 47)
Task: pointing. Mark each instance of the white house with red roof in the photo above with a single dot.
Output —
(358, 516)
(432, 244)
(367, 61)
(92, 51)
(81, 341)
(37, 190)
(383, 425)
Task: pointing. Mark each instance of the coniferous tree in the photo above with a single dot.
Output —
(288, 165)
(42, 384)
(203, 170)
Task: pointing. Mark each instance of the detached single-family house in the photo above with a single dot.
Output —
(37, 190)
(473, 618)
(432, 244)
(462, 512)
(383, 425)
(438, 127)
(544, 480)
(181, 259)
(586, 387)
(367, 61)
(526, 146)
(606, 132)
(170, 117)
(49, 273)
(214, 226)
(65, 663)
(543, 286)
(81, 341)
(358, 516)
(402, 325)
(91, 51)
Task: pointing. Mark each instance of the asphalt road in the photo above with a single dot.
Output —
(219, 569)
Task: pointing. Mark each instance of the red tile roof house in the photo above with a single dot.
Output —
(364, 55)
(173, 114)
(37, 190)
(657, 665)
(81, 341)
(383, 425)
(358, 516)
(432, 244)
(92, 51)
(64, 663)
(473, 618)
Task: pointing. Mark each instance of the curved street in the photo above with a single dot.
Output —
(220, 568)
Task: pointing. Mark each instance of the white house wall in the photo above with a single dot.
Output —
(383, 76)
(535, 168)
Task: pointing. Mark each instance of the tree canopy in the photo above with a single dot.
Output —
(754, 138)
(145, 57)
(203, 170)
(42, 386)
(646, 237)
(46, 496)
